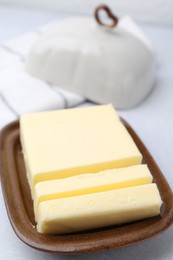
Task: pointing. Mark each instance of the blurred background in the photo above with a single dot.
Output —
(152, 11)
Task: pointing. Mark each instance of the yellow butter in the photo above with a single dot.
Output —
(63, 143)
(100, 209)
(91, 183)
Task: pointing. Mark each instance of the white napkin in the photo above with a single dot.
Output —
(21, 93)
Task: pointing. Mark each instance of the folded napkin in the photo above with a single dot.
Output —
(20, 92)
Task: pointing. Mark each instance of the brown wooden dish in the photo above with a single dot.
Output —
(20, 209)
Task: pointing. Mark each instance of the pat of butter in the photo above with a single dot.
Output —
(91, 183)
(63, 143)
(100, 209)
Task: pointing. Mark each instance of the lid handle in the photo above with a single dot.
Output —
(114, 18)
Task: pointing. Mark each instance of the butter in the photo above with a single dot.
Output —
(91, 183)
(63, 143)
(72, 214)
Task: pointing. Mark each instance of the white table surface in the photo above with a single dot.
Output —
(152, 120)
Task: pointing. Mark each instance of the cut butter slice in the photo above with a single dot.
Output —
(91, 183)
(63, 143)
(100, 209)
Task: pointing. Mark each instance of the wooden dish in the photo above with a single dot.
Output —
(20, 209)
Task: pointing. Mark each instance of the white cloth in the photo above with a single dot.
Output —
(20, 92)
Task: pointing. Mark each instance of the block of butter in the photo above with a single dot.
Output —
(91, 183)
(72, 214)
(63, 143)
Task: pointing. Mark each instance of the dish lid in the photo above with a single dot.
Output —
(104, 62)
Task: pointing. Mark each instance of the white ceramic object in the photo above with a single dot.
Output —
(103, 65)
